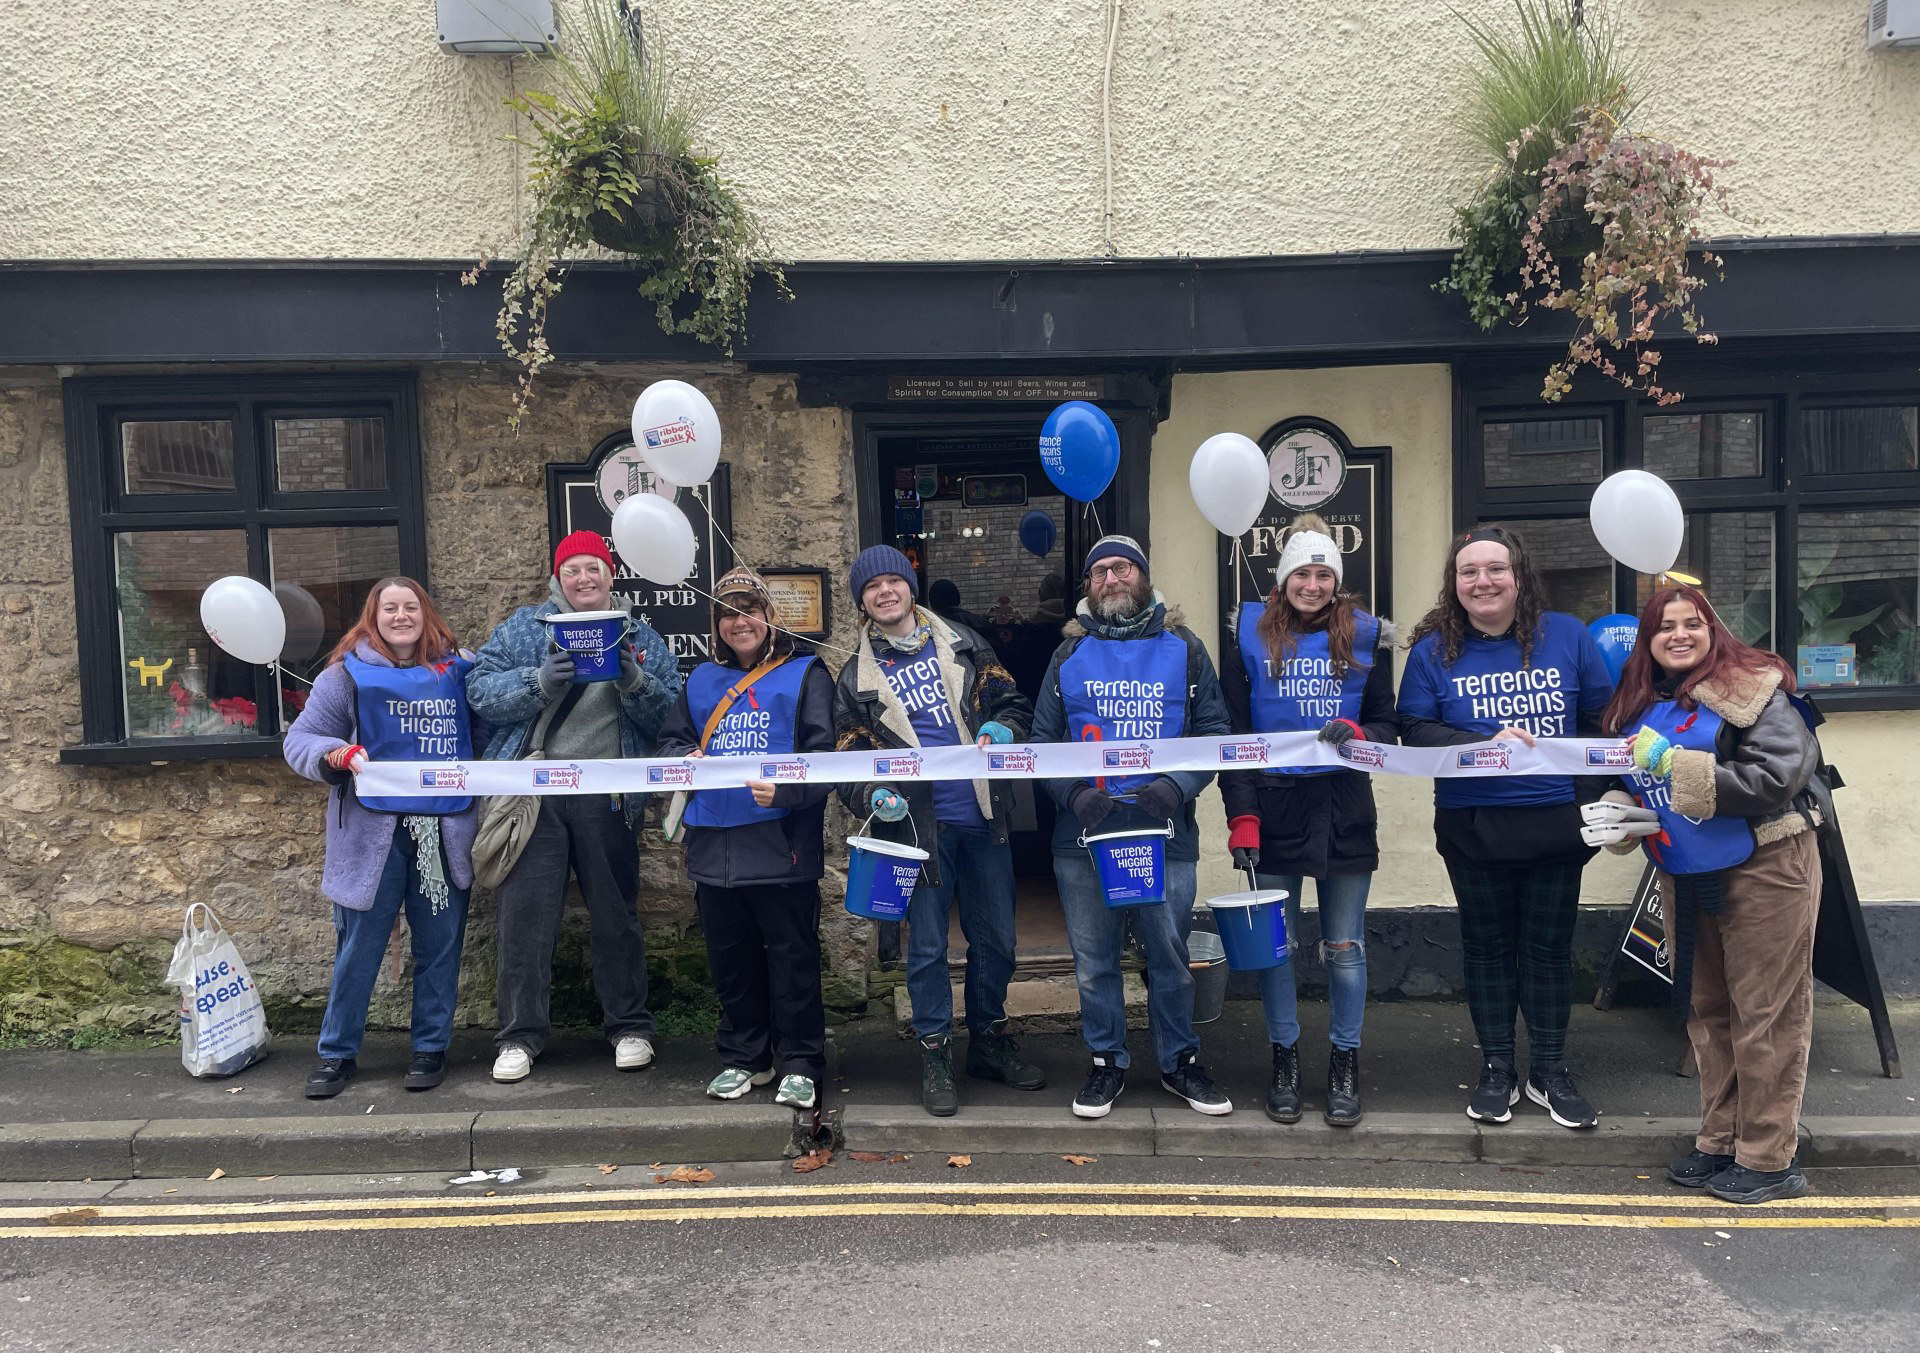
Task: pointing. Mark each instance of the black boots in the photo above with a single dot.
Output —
(937, 1093)
(1343, 1087)
(1283, 1093)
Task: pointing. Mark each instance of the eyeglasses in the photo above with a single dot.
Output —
(1119, 572)
(1493, 573)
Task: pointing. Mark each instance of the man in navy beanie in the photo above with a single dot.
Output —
(919, 681)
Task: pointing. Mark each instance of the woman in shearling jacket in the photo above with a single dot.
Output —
(1723, 752)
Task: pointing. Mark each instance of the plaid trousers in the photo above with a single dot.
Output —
(1516, 931)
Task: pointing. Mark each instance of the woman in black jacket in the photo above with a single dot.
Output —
(1309, 659)
(755, 854)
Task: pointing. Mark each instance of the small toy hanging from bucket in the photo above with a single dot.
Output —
(1131, 865)
(881, 875)
(1253, 927)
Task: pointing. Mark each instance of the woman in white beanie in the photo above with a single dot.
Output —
(1309, 659)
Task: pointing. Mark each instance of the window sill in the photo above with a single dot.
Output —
(160, 751)
(1833, 700)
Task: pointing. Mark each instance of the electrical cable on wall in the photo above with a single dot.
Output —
(1106, 116)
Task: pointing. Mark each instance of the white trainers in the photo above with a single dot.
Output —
(514, 1063)
(632, 1052)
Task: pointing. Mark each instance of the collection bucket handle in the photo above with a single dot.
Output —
(908, 820)
(1081, 840)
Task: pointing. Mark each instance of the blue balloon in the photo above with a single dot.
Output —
(1080, 449)
(1037, 533)
(1615, 635)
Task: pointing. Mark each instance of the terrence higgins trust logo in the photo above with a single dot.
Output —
(1361, 756)
(678, 775)
(1610, 758)
(897, 767)
(676, 433)
(557, 777)
(1128, 758)
(452, 777)
(1252, 752)
(1020, 762)
(1484, 758)
(794, 768)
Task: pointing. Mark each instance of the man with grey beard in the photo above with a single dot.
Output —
(1130, 672)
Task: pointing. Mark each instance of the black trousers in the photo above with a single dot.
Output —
(763, 944)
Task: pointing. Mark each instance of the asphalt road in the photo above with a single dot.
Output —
(1008, 1253)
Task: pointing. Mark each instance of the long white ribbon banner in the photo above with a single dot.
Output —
(1013, 761)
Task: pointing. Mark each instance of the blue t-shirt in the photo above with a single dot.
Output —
(915, 679)
(1563, 686)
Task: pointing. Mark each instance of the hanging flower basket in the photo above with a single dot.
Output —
(648, 224)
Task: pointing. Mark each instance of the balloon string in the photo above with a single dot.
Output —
(281, 668)
(1247, 561)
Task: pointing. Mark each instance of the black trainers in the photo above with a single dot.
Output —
(330, 1077)
(1343, 1088)
(1104, 1084)
(1553, 1090)
(1496, 1094)
(991, 1055)
(1693, 1170)
(1738, 1184)
(1283, 1094)
(1190, 1081)
(937, 1094)
(426, 1070)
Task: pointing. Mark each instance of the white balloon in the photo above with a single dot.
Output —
(654, 538)
(1637, 519)
(244, 618)
(676, 429)
(1228, 479)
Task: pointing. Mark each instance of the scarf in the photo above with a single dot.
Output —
(427, 859)
(908, 645)
(1127, 626)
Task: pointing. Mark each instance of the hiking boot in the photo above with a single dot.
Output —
(1496, 1094)
(1104, 1084)
(735, 1081)
(1554, 1091)
(1343, 1088)
(795, 1092)
(1738, 1184)
(993, 1056)
(1283, 1095)
(937, 1094)
(1190, 1081)
(330, 1077)
(1693, 1170)
(426, 1070)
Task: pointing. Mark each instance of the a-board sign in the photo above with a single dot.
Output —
(1645, 939)
(583, 496)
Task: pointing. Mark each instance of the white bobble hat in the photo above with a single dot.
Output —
(1308, 547)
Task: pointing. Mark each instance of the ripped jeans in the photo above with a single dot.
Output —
(1343, 948)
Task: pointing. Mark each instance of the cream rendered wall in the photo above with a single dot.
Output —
(1409, 409)
(897, 129)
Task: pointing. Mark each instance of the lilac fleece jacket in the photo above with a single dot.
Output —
(358, 839)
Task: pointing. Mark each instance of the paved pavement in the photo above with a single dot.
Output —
(110, 1114)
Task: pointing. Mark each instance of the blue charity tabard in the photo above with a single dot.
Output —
(762, 721)
(1687, 845)
(1123, 691)
(415, 714)
(1308, 694)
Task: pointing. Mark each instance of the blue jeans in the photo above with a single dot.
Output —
(978, 875)
(1343, 948)
(1098, 933)
(361, 943)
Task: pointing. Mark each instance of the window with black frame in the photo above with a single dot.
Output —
(1802, 506)
(308, 484)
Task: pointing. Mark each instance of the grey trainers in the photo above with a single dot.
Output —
(796, 1092)
(735, 1082)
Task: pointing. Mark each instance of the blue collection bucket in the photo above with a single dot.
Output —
(1253, 928)
(881, 876)
(593, 637)
(1131, 865)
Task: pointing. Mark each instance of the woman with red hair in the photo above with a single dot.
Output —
(1723, 752)
(393, 690)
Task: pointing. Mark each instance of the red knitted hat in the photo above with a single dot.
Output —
(582, 542)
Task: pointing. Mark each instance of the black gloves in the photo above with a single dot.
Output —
(1246, 858)
(555, 674)
(1160, 798)
(1338, 731)
(1091, 806)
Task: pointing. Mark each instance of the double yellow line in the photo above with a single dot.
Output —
(1229, 1202)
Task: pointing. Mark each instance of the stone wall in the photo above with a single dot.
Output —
(97, 863)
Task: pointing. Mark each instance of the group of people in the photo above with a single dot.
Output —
(1722, 751)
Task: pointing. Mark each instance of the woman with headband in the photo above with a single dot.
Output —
(1723, 752)
(1491, 662)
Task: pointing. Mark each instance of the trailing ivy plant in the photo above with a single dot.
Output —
(1576, 212)
(611, 163)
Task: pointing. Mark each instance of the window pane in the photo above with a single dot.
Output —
(1577, 572)
(311, 455)
(1732, 555)
(186, 456)
(1542, 451)
(176, 684)
(322, 575)
(1861, 441)
(1703, 445)
(1859, 575)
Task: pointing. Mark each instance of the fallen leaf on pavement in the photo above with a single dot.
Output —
(959, 1162)
(218, 1174)
(1393, 1261)
(608, 1169)
(688, 1174)
(236, 1089)
(1080, 1160)
(868, 1157)
(73, 1216)
(898, 1158)
(812, 1161)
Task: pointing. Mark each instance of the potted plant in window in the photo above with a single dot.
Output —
(612, 163)
(1576, 211)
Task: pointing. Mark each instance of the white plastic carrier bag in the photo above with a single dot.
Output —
(223, 1025)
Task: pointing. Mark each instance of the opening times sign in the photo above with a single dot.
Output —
(583, 496)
